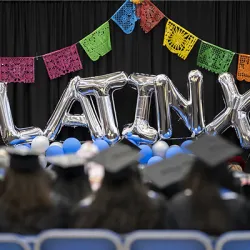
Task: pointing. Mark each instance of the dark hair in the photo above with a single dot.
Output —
(74, 189)
(209, 212)
(23, 192)
(122, 207)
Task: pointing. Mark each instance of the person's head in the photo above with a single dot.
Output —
(26, 185)
(119, 163)
(235, 167)
(199, 174)
(213, 153)
(205, 175)
(166, 176)
(208, 209)
(121, 205)
(71, 178)
(236, 164)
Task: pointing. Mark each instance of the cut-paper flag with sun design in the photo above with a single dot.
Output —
(178, 40)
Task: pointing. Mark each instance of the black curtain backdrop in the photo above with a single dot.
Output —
(35, 28)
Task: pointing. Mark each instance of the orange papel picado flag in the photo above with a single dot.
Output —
(243, 72)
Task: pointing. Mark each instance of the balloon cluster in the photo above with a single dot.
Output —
(161, 150)
(41, 145)
(148, 155)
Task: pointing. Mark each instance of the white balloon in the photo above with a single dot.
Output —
(22, 148)
(160, 148)
(59, 144)
(87, 150)
(87, 145)
(40, 144)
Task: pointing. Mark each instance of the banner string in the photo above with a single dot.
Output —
(39, 56)
(198, 37)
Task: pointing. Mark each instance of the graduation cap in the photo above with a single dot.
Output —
(118, 161)
(213, 150)
(67, 166)
(169, 171)
(23, 161)
(212, 153)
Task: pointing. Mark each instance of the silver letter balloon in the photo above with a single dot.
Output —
(140, 131)
(190, 111)
(235, 113)
(9, 131)
(101, 119)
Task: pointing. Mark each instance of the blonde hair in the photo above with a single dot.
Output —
(235, 167)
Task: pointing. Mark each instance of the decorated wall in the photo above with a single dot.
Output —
(37, 29)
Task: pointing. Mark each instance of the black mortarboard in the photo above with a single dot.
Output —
(117, 160)
(127, 142)
(169, 171)
(213, 150)
(23, 161)
(67, 166)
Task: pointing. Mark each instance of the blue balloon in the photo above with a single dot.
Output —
(71, 145)
(133, 138)
(184, 146)
(168, 134)
(154, 160)
(101, 144)
(173, 150)
(137, 139)
(197, 130)
(145, 154)
(27, 145)
(17, 141)
(54, 150)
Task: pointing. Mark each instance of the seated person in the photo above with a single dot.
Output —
(27, 205)
(206, 204)
(71, 181)
(122, 203)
